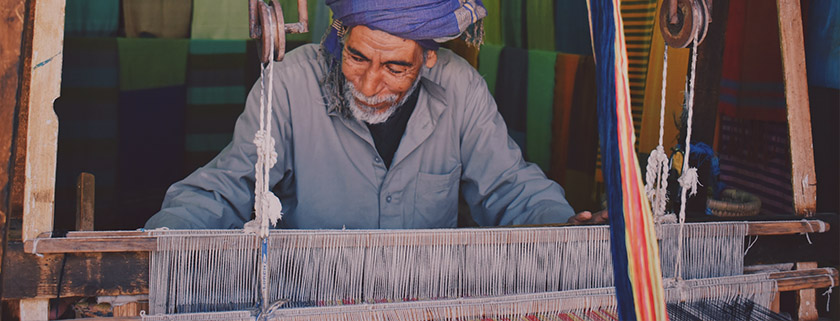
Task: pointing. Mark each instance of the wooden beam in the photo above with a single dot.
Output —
(787, 227)
(806, 298)
(85, 199)
(804, 177)
(84, 274)
(809, 277)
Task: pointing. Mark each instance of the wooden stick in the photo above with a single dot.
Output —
(140, 241)
(85, 199)
(806, 299)
(804, 178)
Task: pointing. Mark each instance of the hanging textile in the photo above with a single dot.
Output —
(571, 30)
(91, 18)
(493, 23)
(216, 90)
(633, 244)
(319, 20)
(539, 111)
(583, 140)
(822, 43)
(540, 24)
(638, 18)
(513, 28)
(220, 19)
(565, 72)
(157, 18)
(87, 113)
(488, 64)
(512, 90)
(151, 121)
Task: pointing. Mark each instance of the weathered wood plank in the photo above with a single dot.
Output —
(806, 298)
(808, 278)
(787, 227)
(34, 309)
(804, 178)
(85, 274)
(85, 200)
(90, 245)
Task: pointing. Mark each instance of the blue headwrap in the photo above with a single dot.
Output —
(424, 21)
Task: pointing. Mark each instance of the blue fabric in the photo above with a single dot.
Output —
(419, 20)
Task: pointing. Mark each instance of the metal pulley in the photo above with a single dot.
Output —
(681, 21)
(266, 25)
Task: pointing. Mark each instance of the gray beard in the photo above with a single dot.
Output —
(370, 115)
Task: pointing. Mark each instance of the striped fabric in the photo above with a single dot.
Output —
(638, 17)
(87, 113)
(216, 90)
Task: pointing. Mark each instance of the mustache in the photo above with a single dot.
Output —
(369, 100)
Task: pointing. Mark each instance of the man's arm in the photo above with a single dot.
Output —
(501, 188)
(221, 194)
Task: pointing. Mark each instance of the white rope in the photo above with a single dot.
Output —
(827, 293)
(658, 165)
(752, 242)
(688, 180)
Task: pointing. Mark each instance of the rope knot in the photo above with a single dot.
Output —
(689, 180)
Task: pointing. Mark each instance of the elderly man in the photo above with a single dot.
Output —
(376, 128)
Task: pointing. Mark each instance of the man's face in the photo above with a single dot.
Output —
(381, 68)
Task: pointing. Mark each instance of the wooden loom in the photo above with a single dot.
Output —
(97, 250)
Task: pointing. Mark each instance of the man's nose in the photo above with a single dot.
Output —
(370, 82)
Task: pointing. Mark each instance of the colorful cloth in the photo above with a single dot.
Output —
(638, 18)
(216, 89)
(565, 72)
(91, 18)
(571, 28)
(540, 24)
(87, 111)
(157, 18)
(152, 63)
(488, 64)
(493, 23)
(583, 140)
(538, 133)
(220, 19)
(512, 91)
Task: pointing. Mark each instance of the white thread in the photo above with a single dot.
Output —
(827, 293)
(35, 247)
(752, 242)
(689, 176)
(656, 175)
(811, 228)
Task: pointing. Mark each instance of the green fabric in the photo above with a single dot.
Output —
(290, 15)
(488, 64)
(152, 63)
(157, 18)
(220, 19)
(493, 22)
(319, 20)
(208, 47)
(540, 104)
(216, 95)
(540, 24)
(91, 18)
(512, 33)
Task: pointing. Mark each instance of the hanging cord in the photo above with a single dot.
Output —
(688, 180)
(656, 174)
(827, 293)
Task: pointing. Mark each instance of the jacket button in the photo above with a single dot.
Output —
(377, 159)
(388, 199)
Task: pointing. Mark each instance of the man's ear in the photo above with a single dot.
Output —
(431, 58)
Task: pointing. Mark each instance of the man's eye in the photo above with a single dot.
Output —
(395, 70)
(357, 58)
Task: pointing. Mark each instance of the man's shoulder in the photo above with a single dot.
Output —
(303, 59)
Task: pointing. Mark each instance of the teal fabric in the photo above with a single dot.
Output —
(319, 20)
(488, 65)
(822, 44)
(493, 23)
(513, 33)
(540, 107)
(571, 30)
(152, 63)
(91, 18)
(540, 24)
(329, 175)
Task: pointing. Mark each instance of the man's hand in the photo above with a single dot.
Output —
(586, 218)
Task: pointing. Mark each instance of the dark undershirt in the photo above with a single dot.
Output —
(387, 135)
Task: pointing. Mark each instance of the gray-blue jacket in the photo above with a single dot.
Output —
(329, 174)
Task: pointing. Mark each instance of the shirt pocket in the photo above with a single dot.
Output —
(436, 199)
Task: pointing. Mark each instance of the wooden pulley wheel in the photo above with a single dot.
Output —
(692, 22)
(267, 26)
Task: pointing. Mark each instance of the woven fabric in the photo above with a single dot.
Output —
(565, 73)
(822, 43)
(513, 28)
(538, 133)
(152, 63)
(488, 65)
(220, 19)
(583, 141)
(638, 18)
(540, 24)
(157, 18)
(512, 92)
(571, 30)
(493, 22)
(91, 18)
(216, 90)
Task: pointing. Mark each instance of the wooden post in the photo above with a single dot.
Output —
(37, 132)
(85, 199)
(803, 178)
(806, 299)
